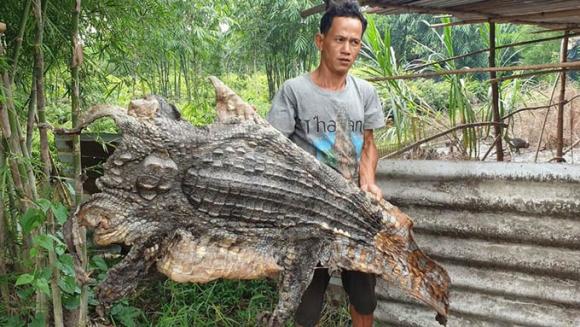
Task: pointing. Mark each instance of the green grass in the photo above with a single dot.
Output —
(224, 303)
(220, 303)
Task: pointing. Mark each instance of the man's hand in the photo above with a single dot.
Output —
(368, 166)
(374, 190)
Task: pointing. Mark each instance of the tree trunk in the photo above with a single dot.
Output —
(186, 77)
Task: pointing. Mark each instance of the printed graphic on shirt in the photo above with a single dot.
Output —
(338, 143)
(317, 125)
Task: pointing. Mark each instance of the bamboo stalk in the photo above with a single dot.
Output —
(42, 305)
(4, 291)
(39, 77)
(56, 297)
(562, 29)
(10, 132)
(572, 134)
(495, 94)
(562, 98)
(543, 72)
(17, 146)
(572, 146)
(5, 122)
(20, 39)
(76, 61)
(489, 150)
(31, 117)
(54, 288)
(23, 186)
(568, 65)
(545, 121)
(438, 135)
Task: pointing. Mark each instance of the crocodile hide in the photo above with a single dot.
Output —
(238, 200)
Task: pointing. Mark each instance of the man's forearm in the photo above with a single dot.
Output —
(369, 159)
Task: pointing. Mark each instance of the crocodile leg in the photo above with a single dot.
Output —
(124, 277)
(299, 264)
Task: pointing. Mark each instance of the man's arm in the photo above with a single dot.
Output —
(283, 111)
(368, 165)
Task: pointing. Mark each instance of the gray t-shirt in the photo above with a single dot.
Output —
(328, 124)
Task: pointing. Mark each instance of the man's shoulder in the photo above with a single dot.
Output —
(296, 82)
(362, 84)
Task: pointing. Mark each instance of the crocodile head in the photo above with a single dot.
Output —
(139, 176)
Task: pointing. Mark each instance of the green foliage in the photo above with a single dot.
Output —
(437, 92)
(539, 53)
(459, 109)
(272, 35)
(252, 88)
(402, 104)
(42, 242)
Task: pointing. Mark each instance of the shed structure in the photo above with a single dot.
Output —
(506, 232)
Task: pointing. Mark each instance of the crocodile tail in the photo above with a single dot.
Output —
(407, 266)
(230, 107)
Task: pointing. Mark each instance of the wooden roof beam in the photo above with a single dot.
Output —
(505, 20)
(575, 65)
(488, 49)
(561, 29)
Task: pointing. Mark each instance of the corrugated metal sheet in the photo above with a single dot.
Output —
(509, 235)
(552, 13)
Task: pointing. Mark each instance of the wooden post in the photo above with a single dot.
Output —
(562, 101)
(495, 94)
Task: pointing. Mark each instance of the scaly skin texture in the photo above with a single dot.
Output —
(238, 200)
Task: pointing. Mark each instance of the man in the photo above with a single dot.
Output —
(332, 115)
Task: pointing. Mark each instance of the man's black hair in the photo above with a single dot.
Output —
(344, 9)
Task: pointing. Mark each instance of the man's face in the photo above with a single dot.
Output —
(341, 44)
